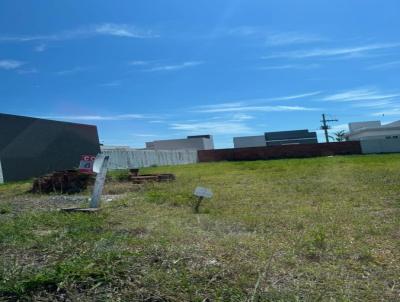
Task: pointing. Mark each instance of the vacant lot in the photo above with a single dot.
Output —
(324, 229)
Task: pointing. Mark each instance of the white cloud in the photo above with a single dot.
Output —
(385, 66)
(390, 112)
(138, 63)
(363, 94)
(244, 108)
(275, 38)
(296, 96)
(10, 64)
(345, 52)
(144, 135)
(373, 104)
(254, 105)
(27, 71)
(123, 30)
(107, 29)
(183, 65)
(244, 31)
(111, 84)
(71, 71)
(228, 127)
(40, 48)
(230, 106)
(290, 66)
(289, 38)
(118, 117)
(241, 117)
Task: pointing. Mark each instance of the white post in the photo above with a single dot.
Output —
(100, 166)
(1, 174)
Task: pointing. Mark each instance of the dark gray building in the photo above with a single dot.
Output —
(276, 138)
(194, 142)
(290, 137)
(31, 147)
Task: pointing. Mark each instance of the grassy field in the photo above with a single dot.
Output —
(322, 229)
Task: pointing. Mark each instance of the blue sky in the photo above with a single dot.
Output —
(146, 70)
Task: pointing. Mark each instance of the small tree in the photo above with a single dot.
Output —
(340, 136)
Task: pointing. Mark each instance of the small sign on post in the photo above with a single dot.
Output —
(201, 193)
(86, 164)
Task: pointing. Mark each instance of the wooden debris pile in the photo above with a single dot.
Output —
(62, 182)
(139, 179)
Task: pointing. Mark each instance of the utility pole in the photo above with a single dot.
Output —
(325, 126)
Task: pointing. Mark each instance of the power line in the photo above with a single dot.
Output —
(325, 125)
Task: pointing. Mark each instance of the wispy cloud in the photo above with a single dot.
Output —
(144, 135)
(296, 96)
(344, 52)
(27, 71)
(10, 64)
(106, 29)
(251, 104)
(237, 117)
(123, 30)
(392, 111)
(71, 71)
(385, 66)
(363, 94)
(246, 108)
(290, 66)
(222, 127)
(118, 117)
(289, 38)
(180, 66)
(138, 63)
(112, 84)
(275, 38)
(385, 103)
(40, 48)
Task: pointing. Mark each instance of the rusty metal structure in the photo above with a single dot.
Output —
(62, 182)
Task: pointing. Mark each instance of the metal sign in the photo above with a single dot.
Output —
(99, 167)
(203, 192)
(86, 163)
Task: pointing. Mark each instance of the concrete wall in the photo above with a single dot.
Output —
(198, 143)
(130, 158)
(31, 147)
(277, 152)
(249, 141)
(380, 145)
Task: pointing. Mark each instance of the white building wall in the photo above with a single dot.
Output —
(380, 145)
(131, 158)
(249, 141)
(375, 133)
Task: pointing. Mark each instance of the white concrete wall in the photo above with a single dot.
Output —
(380, 145)
(249, 141)
(1, 174)
(130, 158)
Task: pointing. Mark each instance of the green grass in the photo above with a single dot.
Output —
(322, 229)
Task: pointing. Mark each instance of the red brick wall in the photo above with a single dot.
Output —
(274, 152)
